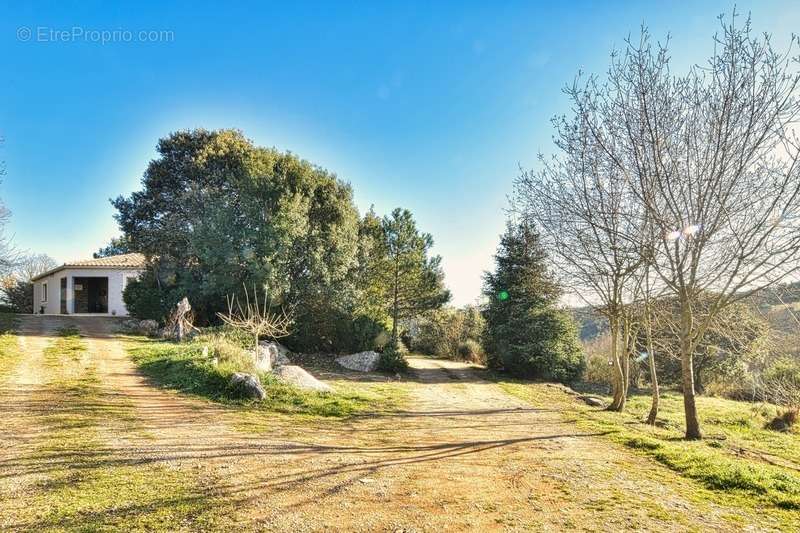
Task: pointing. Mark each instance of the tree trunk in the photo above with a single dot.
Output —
(626, 359)
(618, 384)
(651, 417)
(687, 374)
(395, 306)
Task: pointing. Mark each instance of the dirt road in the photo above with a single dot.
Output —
(463, 455)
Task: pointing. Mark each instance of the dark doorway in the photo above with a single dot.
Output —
(91, 295)
(63, 296)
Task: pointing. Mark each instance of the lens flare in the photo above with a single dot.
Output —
(691, 231)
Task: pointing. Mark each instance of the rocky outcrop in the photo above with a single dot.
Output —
(361, 361)
(298, 377)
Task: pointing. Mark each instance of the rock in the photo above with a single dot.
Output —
(298, 377)
(361, 361)
(563, 388)
(592, 400)
(283, 351)
(271, 355)
(247, 386)
(129, 324)
(148, 327)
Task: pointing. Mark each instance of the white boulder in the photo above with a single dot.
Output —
(361, 361)
(298, 377)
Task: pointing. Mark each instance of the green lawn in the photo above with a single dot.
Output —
(738, 459)
(184, 368)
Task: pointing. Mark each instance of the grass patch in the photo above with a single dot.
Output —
(751, 466)
(68, 345)
(185, 368)
(9, 348)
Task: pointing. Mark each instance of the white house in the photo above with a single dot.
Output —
(93, 286)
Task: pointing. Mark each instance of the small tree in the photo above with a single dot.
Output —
(257, 319)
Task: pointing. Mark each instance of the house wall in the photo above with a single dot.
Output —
(116, 284)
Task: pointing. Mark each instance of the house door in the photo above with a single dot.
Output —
(98, 295)
(63, 296)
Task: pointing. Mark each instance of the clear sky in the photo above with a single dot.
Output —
(429, 107)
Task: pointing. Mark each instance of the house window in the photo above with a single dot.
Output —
(44, 292)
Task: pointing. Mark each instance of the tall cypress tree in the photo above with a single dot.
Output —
(526, 334)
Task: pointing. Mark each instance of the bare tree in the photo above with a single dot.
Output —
(257, 319)
(712, 157)
(29, 266)
(589, 220)
(8, 254)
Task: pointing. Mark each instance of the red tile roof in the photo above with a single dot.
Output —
(132, 261)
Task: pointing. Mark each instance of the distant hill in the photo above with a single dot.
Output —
(590, 323)
(779, 306)
(787, 293)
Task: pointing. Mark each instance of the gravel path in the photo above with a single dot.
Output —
(462, 456)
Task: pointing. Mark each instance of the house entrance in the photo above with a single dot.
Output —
(91, 295)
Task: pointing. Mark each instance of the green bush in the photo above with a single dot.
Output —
(392, 360)
(598, 367)
(144, 300)
(542, 344)
(19, 295)
(368, 334)
(441, 332)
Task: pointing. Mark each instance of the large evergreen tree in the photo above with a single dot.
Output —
(219, 212)
(526, 333)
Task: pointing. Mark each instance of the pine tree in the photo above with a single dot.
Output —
(526, 334)
(407, 280)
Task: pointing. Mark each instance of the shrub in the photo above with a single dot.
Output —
(18, 294)
(368, 334)
(598, 369)
(470, 350)
(441, 332)
(230, 353)
(143, 299)
(541, 344)
(784, 421)
(392, 359)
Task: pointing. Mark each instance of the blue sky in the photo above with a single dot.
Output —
(429, 107)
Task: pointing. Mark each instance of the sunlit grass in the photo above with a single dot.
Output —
(738, 457)
(184, 368)
(9, 346)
